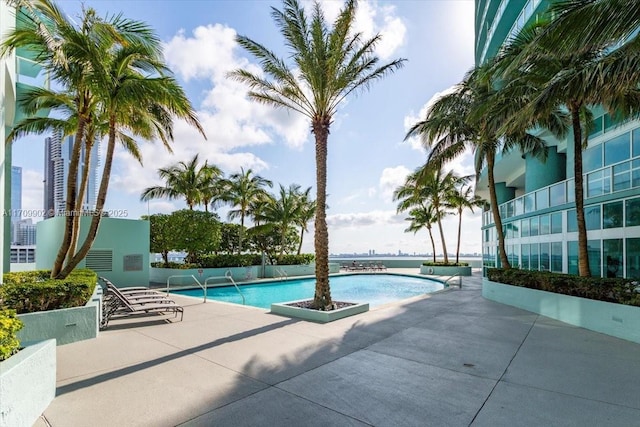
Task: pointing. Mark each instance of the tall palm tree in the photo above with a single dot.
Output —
(472, 116)
(240, 191)
(459, 200)
(329, 63)
(282, 212)
(186, 180)
(423, 216)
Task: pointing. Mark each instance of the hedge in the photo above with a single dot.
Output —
(235, 260)
(295, 259)
(30, 291)
(9, 326)
(445, 264)
(616, 290)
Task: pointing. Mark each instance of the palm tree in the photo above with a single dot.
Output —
(115, 71)
(463, 198)
(306, 213)
(283, 212)
(472, 116)
(328, 65)
(240, 191)
(423, 216)
(185, 179)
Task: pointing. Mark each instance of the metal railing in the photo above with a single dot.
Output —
(204, 287)
(459, 280)
(229, 276)
(280, 273)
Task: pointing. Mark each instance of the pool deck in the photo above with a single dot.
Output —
(447, 359)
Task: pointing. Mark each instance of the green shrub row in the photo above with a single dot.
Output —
(616, 290)
(9, 326)
(30, 291)
(445, 264)
(235, 260)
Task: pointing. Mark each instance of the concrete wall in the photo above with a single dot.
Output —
(123, 237)
(27, 384)
(66, 325)
(539, 174)
(618, 320)
(437, 270)
(215, 275)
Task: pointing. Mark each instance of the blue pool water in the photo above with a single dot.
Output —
(376, 289)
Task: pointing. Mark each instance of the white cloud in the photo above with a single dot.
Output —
(362, 219)
(411, 119)
(392, 178)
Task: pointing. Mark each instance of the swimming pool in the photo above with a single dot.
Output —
(376, 289)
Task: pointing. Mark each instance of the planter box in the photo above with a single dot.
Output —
(27, 384)
(436, 270)
(66, 325)
(215, 275)
(618, 320)
(316, 315)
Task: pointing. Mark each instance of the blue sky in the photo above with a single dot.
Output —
(367, 157)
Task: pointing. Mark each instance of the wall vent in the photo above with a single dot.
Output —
(100, 260)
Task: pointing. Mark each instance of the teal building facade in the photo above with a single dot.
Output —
(536, 199)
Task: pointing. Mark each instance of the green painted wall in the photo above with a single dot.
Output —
(123, 237)
(504, 193)
(539, 173)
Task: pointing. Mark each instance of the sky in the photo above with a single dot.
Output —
(367, 157)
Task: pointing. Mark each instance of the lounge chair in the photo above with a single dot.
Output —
(115, 303)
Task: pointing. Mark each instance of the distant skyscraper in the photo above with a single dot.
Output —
(16, 198)
(24, 232)
(57, 156)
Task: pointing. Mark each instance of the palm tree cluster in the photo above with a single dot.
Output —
(549, 77)
(247, 196)
(112, 82)
(428, 195)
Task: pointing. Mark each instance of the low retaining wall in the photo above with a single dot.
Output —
(618, 320)
(27, 384)
(436, 270)
(315, 315)
(65, 325)
(215, 275)
(297, 270)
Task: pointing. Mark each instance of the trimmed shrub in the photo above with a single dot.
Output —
(30, 291)
(616, 290)
(443, 264)
(174, 265)
(295, 259)
(9, 326)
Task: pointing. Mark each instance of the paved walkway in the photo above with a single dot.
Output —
(452, 358)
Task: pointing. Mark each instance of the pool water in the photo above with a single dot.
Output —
(375, 289)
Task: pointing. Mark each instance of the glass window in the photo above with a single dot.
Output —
(509, 209)
(596, 127)
(534, 261)
(633, 258)
(595, 260)
(545, 224)
(572, 222)
(610, 122)
(599, 183)
(519, 206)
(635, 173)
(612, 215)
(556, 257)
(613, 257)
(571, 191)
(622, 176)
(592, 158)
(557, 194)
(524, 227)
(617, 149)
(524, 264)
(632, 212)
(572, 257)
(544, 257)
(534, 227)
(556, 222)
(592, 217)
(529, 203)
(635, 135)
(542, 198)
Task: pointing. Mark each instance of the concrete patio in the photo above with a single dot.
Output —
(449, 359)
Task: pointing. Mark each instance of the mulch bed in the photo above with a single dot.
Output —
(308, 304)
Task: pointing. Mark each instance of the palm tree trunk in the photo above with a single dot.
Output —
(493, 198)
(241, 234)
(81, 193)
(72, 182)
(97, 216)
(583, 253)
(322, 297)
(433, 244)
(301, 237)
(459, 235)
(444, 245)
